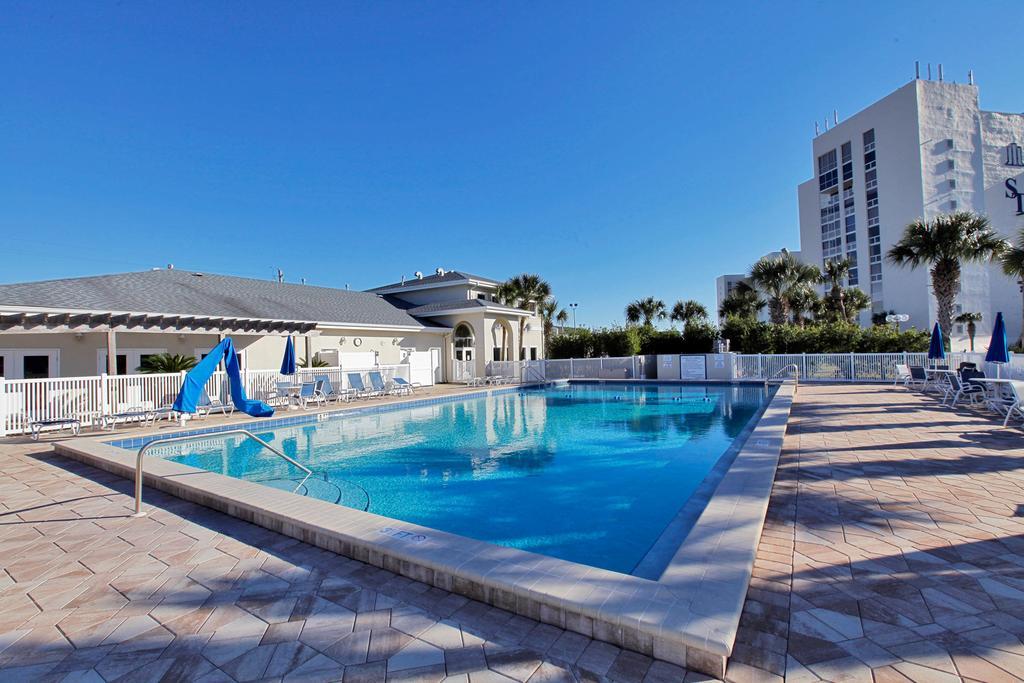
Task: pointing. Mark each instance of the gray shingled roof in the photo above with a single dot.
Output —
(452, 276)
(460, 304)
(180, 292)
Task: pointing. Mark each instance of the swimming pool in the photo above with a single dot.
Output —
(590, 473)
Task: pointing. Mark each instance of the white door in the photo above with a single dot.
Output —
(435, 364)
(420, 369)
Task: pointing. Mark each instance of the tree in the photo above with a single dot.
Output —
(856, 300)
(970, 319)
(801, 301)
(834, 276)
(1012, 261)
(527, 292)
(783, 278)
(317, 363)
(550, 312)
(688, 312)
(645, 311)
(944, 244)
(742, 302)
(160, 363)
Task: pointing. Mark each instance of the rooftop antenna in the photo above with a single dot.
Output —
(302, 280)
(835, 117)
(940, 73)
(917, 70)
(970, 77)
(929, 71)
(403, 279)
(817, 129)
(280, 275)
(346, 286)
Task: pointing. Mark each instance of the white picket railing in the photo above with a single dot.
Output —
(88, 398)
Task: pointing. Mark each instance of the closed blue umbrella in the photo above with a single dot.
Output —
(936, 350)
(998, 352)
(288, 362)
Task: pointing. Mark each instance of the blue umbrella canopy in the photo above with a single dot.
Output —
(936, 350)
(288, 362)
(998, 352)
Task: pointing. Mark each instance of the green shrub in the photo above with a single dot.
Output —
(751, 336)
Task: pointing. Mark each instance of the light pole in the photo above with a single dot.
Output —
(897, 318)
(573, 307)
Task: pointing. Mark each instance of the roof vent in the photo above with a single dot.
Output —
(418, 274)
(197, 274)
(440, 271)
(170, 266)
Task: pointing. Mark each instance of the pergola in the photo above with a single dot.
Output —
(17, 322)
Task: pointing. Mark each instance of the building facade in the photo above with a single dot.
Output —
(926, 149)
(446, 326)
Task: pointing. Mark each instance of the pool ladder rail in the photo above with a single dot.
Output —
(179, 439)
(779, 379)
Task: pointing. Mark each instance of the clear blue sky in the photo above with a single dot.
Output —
(618, 149)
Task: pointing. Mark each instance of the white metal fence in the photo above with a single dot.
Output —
(859, 367)
(87, 398)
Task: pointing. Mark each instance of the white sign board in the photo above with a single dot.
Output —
(692, 368)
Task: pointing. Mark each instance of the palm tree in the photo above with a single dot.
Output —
(527, 292)
(742, 302)
(550, 312)
(803, 300)
(1012, 262)
(160, 363)
(317, 363)
(834, 275)
(944, 244)
(856, 300)
(688, 312)
(970, 319)
(645, 311)
(783, 278)
(562, 317)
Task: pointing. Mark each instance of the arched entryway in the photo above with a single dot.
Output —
(464, 342)
(502, 338)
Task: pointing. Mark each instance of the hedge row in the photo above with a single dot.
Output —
(745, 336)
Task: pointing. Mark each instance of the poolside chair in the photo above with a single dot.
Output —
(36, 426)
(311, 392)
(280, 395)
(918, 377)
(903, 375)
(405, 385)
(355, 381)
(208, 406)
(380, 387)
(329, 392)
(958, 389)
(966, 365)
(1013, 393)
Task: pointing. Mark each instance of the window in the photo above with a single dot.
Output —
(481, 296)
(533, 353)
(952, 183)
(35, 367)
(463, 342)
(828, 174)
(496, 353)
(869, 141)
(847, 151)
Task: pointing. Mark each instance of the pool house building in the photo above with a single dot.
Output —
(444, 327)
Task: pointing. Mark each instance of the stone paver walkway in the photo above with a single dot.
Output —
(893, 551)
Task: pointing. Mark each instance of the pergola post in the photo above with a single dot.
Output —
(111, 352)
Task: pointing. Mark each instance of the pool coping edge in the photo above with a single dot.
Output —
(689, 616)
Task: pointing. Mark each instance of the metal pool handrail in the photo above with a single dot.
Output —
(194, 437)
(777, 377)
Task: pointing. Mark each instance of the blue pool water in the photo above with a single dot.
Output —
(588, 473)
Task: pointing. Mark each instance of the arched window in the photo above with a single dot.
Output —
(464, 342)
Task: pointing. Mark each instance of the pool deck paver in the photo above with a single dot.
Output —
(893, 551)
